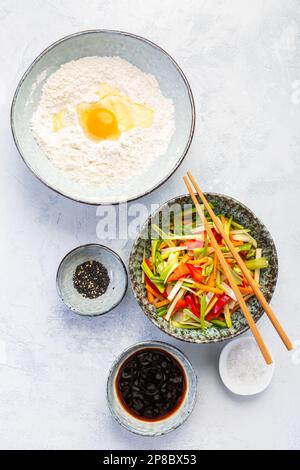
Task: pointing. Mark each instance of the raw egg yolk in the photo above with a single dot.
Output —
(98, 122)
(108, 117)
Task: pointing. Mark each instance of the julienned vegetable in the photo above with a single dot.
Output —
(183, 277)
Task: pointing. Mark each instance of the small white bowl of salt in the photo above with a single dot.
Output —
(243, 369)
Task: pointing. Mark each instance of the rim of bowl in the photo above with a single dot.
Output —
(116, 32)
(102, 247)
(190, 340)
(118, 362)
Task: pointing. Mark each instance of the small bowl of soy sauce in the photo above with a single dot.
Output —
(91, 280)
(151, 388)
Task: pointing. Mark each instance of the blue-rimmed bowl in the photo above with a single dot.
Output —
(117, 274)
(152, 428)
(142, 53)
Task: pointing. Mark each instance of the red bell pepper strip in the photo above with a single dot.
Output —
(196, 301)
(148, 262)
(192, 306)
(243, 253)
(217, 236)
(218, 308)
(181, 304)
(196, 273)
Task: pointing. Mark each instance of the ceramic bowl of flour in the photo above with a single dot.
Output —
(110, 181)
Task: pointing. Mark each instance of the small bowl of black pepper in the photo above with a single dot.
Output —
(91, 279)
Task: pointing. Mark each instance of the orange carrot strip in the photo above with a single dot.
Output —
(246, 283)
(237, 243)
(201, 262)
(150, 297)
(206, 288)
(182, 270)
(184, 259)
(213, 276)
(162, 303)
(194, 261)
(155, 294)
(246, 290)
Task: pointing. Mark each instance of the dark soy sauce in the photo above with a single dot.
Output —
(151, 384)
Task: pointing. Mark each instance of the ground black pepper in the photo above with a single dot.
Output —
(91, 279)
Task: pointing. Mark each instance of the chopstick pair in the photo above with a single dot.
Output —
(259, 295)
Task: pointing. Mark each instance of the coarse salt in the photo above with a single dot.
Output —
(245, 364)
(242, 367)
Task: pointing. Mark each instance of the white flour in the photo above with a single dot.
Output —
(108, 161)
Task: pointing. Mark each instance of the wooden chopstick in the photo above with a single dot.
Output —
(240, 299)
(259, 295)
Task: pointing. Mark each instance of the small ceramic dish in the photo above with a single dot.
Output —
(163, 426)
(140, 52)
(117, 274)
(222, 205)
(250, 377)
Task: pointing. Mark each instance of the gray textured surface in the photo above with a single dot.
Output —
(242, 59)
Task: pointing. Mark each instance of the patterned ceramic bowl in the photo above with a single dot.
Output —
(140, 52)
(241, 214)
(154, 428)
